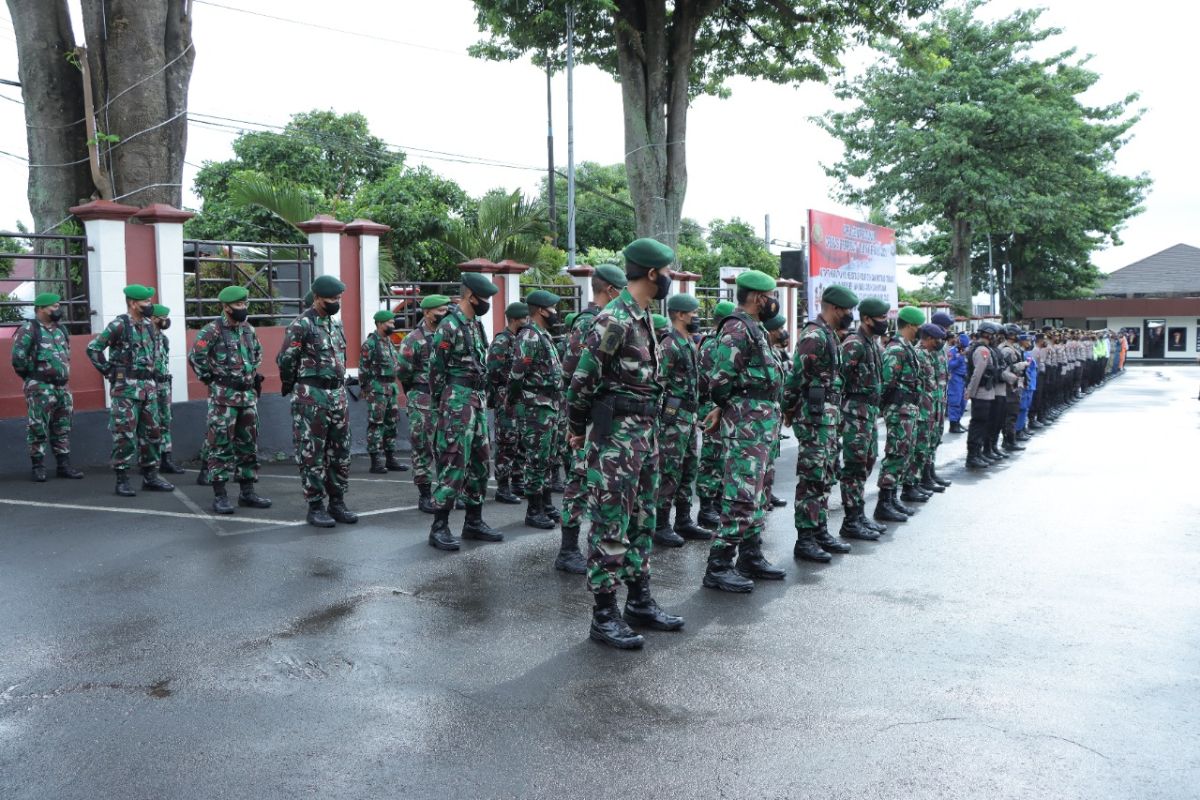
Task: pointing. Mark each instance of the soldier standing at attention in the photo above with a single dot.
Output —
(677, 423)
(744, 380)
(312, 362)
(901, 384)
(919, 487)
(162, 378)
(776, 328)
(941, 366)
(226, 358)
(956, 385)
(377, 365)
(533, 396)
(813, 407)
(412, 370)
(129, 369)
(862, 381)
(457, 384)
(711, 466)
(615, 388)
(509, 464)
(41, 357)
(607, 282)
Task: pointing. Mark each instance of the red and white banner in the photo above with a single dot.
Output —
(857, 255)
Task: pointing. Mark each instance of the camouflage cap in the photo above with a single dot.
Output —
(682, 302)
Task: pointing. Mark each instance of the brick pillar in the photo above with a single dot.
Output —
(508, 278)
(367, 233)
(167, 222)
(492, 321)
(104, 224)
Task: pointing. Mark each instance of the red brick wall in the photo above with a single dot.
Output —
(87, 385)
(271, 340)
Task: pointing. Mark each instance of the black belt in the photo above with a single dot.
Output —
(53, 380)
(625, 407)
(865, 397)
(421, 385)
(471, 382)
(758, 394)
(230, 382)
(136, 374)
(690, 406)
(328, 384)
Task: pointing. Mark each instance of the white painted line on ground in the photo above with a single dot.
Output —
(143, 511)
(197, 510)
(386, 511)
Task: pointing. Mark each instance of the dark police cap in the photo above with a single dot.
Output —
(327, 286)
(682, 302)
(932, 331)
(1012, 329)
(775, 323)
(943, 319)
(479, 284)
(989, 328)
(542, 298)
(612, 275)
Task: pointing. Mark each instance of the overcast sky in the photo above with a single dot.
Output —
(751, 155)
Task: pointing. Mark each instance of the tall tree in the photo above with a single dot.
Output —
(664, 54)
(604, 215)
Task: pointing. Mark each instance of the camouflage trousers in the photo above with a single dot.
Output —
(566, 456)
(164, 416)
(860, 449)
(922, 449)
(818, 441)
(322, 439)
(710, 469)
(463, 452)
(743, 504)
(509, 461)
(231, 447)
(383, 412)
(420, 431)
(898, 448)
(676, 447)
(622, 485)
(135, 431)
(769, 478)
(539, 438)
(48, 417)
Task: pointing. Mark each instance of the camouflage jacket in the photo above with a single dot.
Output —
(680, 373)
(457, 360)
(862, 373)
(743, 378)
(581, 326)
(314, 349)
(226, 359)
(499, 363)
(536, 375)
(816, 365)
(412, 368)
(377, 364)
(704, 356)
(926, 360)
(51, 363)
(162, 357)
(901, 370)
(130, 361)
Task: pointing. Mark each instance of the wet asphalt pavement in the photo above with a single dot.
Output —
(1033, 632)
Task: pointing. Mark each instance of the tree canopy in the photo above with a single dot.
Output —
(603, 208)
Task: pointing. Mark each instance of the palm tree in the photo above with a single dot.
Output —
(504, 226)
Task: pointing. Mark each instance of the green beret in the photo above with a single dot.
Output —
(308, 298)
(649, 253)
(723, 309)
(569, 319)
(612, 275)
(135, 291)
(234, 294)
(516, 310)
(542, 298)
(384, 315)
(434, 301)
(756, 281)
(912, 315)
(660, 321)
(46, 299)
(479, 284)
(160, 311)
(873, 307)
(839, 296)
(327, 286)
(682, 302)
(775, 323)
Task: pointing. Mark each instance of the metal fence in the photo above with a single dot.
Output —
(404, 298)
(276, 275)
(709, 296)
(32, 263)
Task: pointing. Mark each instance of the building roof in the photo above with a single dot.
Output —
(1174, 272)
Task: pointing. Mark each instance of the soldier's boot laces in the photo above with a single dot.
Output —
(439, 533)
(393, 464)
(318, 517)
(339, 512)
(852, 527)
(504, 493)
(38, 473)
(641, 609)
(65, 470)
(123, 488)
(927, 481)
(663, 535)
(721, 575)
(202, 478)
(221, 504)
(885, 507)
(153, 482)
(377, 465)
(170, 467)
(425, 498)
(249, 498)
(751, 563)
(807, 549)
(828, 543)
(476, 529)
(535, 515)
(608, 627)
(708, 516)
(548, 506)
(912, 495)
(569, 559)
(686, 528)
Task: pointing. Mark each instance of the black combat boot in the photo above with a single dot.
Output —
(392, 463)
(807, 549)
(318, 517)
(439, 533)
(927, 481)
(993, 449)
(535, 515)
(221, 504)
(956, 427)
(642, 610)
(518, 487)
(503, 493)
(975, 460)
(65, 470)
(1011, 445)
(202, 477)
(828, 543)
(425, 498)
(608, 627)
(153, 482)
(475, 528)
(751, 563)
(913, 495)
(852, 527)
(886, 509)
(123, 487)
(663, 535)
(38, 473)
(684, 525)
(569, 559)
(938, 479)
(459, 504)
(170, 467)
(894, 499)
(548, 505)
(249, 498)
(339, 512)
(708, 517)
(777, 502)
(556, 481)
(377, 465)
(721, 574)
(870, 525)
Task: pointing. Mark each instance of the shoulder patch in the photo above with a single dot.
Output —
(614, 334)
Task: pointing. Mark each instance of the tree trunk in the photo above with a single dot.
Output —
(960, 263)
(52, 88)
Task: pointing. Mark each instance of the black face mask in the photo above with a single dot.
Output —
(844, 322)
(163, 324)
(239, 314)
(331, 308)
(480, 307)
(663, 284)
(388, 330)
(768, 310)
(783, 339)
(693, 327)
(879, 327)
(147, 310)
(551, 319)
(56, 315)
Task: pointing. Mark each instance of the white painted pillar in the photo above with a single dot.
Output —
(368, 234)
(168, 259)
(582, 276)
(325, 235)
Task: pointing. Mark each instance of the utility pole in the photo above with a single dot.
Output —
(991, 279)
(767, 230)
(570, 135)
(550, 157)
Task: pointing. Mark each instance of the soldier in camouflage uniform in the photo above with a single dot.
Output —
(509, 461)
(615, 387)
(533, 398)
(862, 376)
(129, 368)
(607, 282)
(711, 465)
(929, 339)
(677, 423)
(777, 335)
(226, 358)
(377, 365)
(813, 406)
(744, 380)
(457, 381)
(312, 363)
(412, 370)
(900, 389)
(941, 404)
(162, 377)
(41, 356)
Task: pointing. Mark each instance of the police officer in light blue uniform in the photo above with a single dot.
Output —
(957, 385)
(1031, 381)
